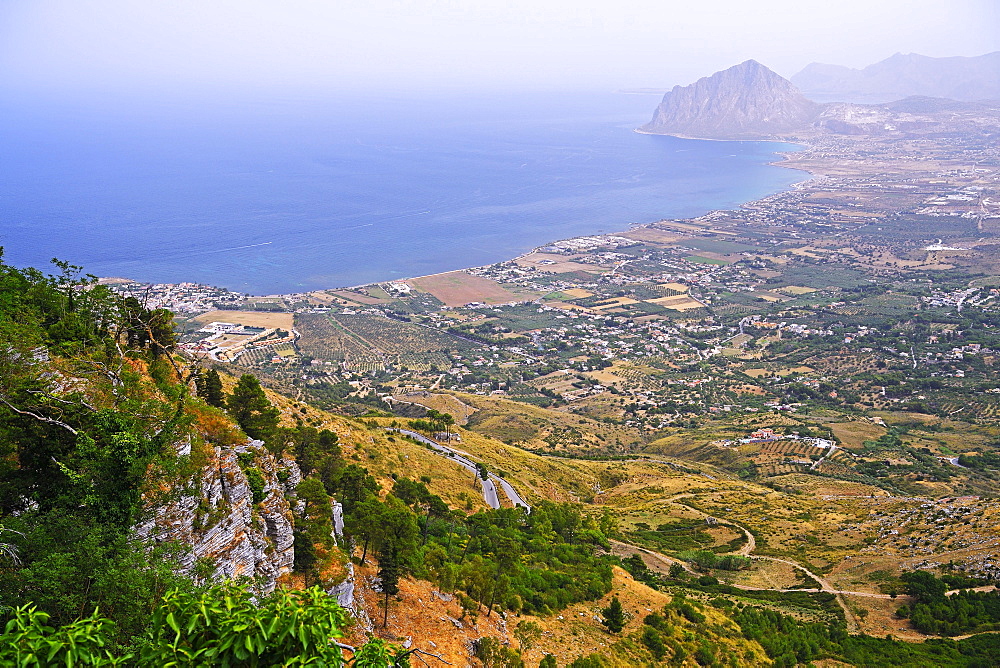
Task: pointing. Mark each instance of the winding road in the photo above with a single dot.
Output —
(661, 562)
(747, 551)
(489, 486)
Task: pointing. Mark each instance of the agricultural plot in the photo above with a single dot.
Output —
(770, 296)
(552, 262)
(735, 309)
(771, 470)
(981, 406)
(834, 468)
(458, 288)
(267, 354)
(821, 276)
(652, 235)
(789, 449)
(677, 303)
(325, 339)
(719, 246)
(364, 342)
(854, 433)
(701, 259)
(425, 361)
(526, 317)
(359, 296)
(796, 290)
(613, 303)
(917, 228)
(248, 319)
(417, 302)
(394, 337)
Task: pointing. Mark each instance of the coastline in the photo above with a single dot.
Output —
(777, 163)
(780, 161)
(640, 131)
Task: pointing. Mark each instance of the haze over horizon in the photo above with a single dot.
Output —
(59, 46)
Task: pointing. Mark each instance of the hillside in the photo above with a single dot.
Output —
(192, 476)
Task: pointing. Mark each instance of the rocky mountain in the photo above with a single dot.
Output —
(745, 101)
(904, 75)
(220, 524)
(749, 101)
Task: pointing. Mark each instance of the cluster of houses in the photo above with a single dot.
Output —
(767, 434)
(226, 341)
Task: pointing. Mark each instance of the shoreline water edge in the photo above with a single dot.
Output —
(785, 157)
(777, 163)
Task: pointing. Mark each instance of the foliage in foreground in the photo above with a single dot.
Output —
(91, 405)
(220, 626)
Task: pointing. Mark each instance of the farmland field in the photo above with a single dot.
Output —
(458, 288)
(248, 318)
(368, 342)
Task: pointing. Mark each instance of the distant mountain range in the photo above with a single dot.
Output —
(749, 101)
(904, 75)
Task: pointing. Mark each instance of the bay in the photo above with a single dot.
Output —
(275, 194)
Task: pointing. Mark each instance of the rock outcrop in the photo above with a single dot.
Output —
(746, 101)
(749, 101)
(226, 533)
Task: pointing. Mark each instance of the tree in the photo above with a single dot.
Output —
(210, 388)
(364, 524)
(314, 527)
(251, 409)
(548, 661)
(494, 655)
(351, 485)
(614, 616)
(396, 549)
(527, 634)
(923, 586)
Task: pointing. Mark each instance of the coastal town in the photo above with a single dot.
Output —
(857, 293)
(695, 315)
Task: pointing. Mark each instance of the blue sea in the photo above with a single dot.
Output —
(278, 194)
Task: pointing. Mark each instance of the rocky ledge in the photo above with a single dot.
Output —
(224, 532)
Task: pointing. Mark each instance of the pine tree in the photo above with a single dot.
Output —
(614, 616)
(210, 388)
(398, 545)
(250, 408)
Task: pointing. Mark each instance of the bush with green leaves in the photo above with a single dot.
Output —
(28, 640)
(224, 625)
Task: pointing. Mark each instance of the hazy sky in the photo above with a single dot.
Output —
(505, 44)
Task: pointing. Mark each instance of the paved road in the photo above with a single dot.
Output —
(489, 485)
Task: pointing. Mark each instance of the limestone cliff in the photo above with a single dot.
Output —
(746, 101)
(223, 532)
